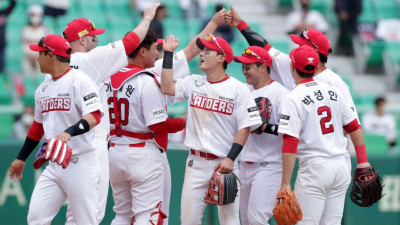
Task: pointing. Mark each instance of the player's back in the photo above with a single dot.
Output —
(319, 119)
(140, 104)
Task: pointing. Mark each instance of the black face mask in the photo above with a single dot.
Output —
(305, 6)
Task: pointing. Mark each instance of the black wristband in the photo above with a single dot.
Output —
(27, 149)
(168, 59)
(271, 129)
(80, 127)
(235, 151)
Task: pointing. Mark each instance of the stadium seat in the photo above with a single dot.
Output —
(5, 94)
(6, 121)
(376, 144)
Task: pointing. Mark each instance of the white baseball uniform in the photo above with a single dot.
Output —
(280, 71)
(216, 112)
(59, 104)
(315, 113)
(99, 64)
(261, 164)
(137, 179)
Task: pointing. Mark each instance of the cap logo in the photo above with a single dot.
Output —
(83, 33)
(310, 60)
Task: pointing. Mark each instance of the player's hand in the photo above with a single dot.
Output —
(150, 12)
(279, 201)
(364, 165)
(64, 137)
(171, 43)
(219, 17)
(225, 166)
(260, 130)
(16, 169)
(234, 19)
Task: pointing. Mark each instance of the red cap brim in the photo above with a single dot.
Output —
(245, 60)
(97, 31)
(297, 39)
(37, 48)
(201, 43)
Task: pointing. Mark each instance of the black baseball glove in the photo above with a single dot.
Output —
(366, 192)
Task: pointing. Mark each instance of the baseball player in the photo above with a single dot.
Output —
(67, 107)
(313, 117)
(139, 135)
(100, 63)
(261, 160)
(219, 116)
(280, 69)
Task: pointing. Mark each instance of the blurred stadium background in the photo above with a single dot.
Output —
(373, 71)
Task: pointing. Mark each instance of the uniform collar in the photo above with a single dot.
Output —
(133, 66)
(56, 78)
(224, 79)
(306, 80)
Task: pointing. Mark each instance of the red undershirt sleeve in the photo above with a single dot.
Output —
(131, 42)
(36, 131)
(289, 144)
(97, 116)
(169, 126)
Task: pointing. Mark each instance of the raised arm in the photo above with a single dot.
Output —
(191, 50)
(148, 15)
(233, 19)
(167, 81)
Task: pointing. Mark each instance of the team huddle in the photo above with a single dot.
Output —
(102, 112)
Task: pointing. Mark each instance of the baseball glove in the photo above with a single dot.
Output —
(288, 212)
(265, 109)
(366, 192)
(54, 150)
(222, 189)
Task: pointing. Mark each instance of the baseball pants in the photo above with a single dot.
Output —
(259, 185)
(137, 181)
(78, 184)
(167, 188)
(102, 153)
(197, 175)
(321, 187)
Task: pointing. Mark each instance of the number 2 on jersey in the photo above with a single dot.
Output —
(122, 104)
(325, 119)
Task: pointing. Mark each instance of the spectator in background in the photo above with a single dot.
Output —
(156, 24)
(380, 122)
(193, 9)
(304, 19)
(22, 123)
(3, 20)
(56, 8)
(347, 12)
(224, 31)
(31, 34)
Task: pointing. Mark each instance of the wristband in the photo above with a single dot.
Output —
(79, 128)
(27, 148)
(235, 151)
(361, 153)
(167, 61)
(271, 129)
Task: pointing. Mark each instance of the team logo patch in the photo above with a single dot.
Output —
(89, 96)
(285, 117)
(75, 160)
(44, 88)
(198, 83)
(311, 84)
(190, 163)
(252, 109)
(129, 90)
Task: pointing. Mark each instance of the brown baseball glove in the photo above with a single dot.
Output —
(288, 212)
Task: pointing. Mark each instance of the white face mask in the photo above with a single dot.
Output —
(27, 119)
(35, 20)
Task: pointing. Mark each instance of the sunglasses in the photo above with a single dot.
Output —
(249, 52)
(41, 42)
(210, 38)
(304, 34)
(86, 31)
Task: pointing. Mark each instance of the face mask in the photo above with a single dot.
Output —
(35, 20)
(27, 119)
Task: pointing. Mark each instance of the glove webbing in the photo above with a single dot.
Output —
(230, 188)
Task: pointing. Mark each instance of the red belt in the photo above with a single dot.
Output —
(248, 162)
(138, 145)
(141, 136)
(208, 156)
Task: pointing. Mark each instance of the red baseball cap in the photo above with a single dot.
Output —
(217, 44)
(79, 28)
(254, 54)
(314, 39)
(54, 44)
(305, 59)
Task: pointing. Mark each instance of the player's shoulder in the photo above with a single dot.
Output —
(279, 87)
